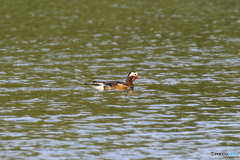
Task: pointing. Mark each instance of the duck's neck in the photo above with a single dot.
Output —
(129, 81)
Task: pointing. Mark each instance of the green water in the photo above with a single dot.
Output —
(185, 106)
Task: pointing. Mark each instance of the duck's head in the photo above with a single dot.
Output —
(133, 75)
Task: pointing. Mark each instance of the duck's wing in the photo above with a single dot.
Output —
(97, 85)
(102, 85)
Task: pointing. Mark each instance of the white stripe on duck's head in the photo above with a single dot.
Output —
(132, 74)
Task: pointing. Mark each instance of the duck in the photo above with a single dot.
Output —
(108, 85)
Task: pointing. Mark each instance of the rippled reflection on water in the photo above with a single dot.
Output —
(186, 104)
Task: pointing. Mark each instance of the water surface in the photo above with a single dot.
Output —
(185, 106)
